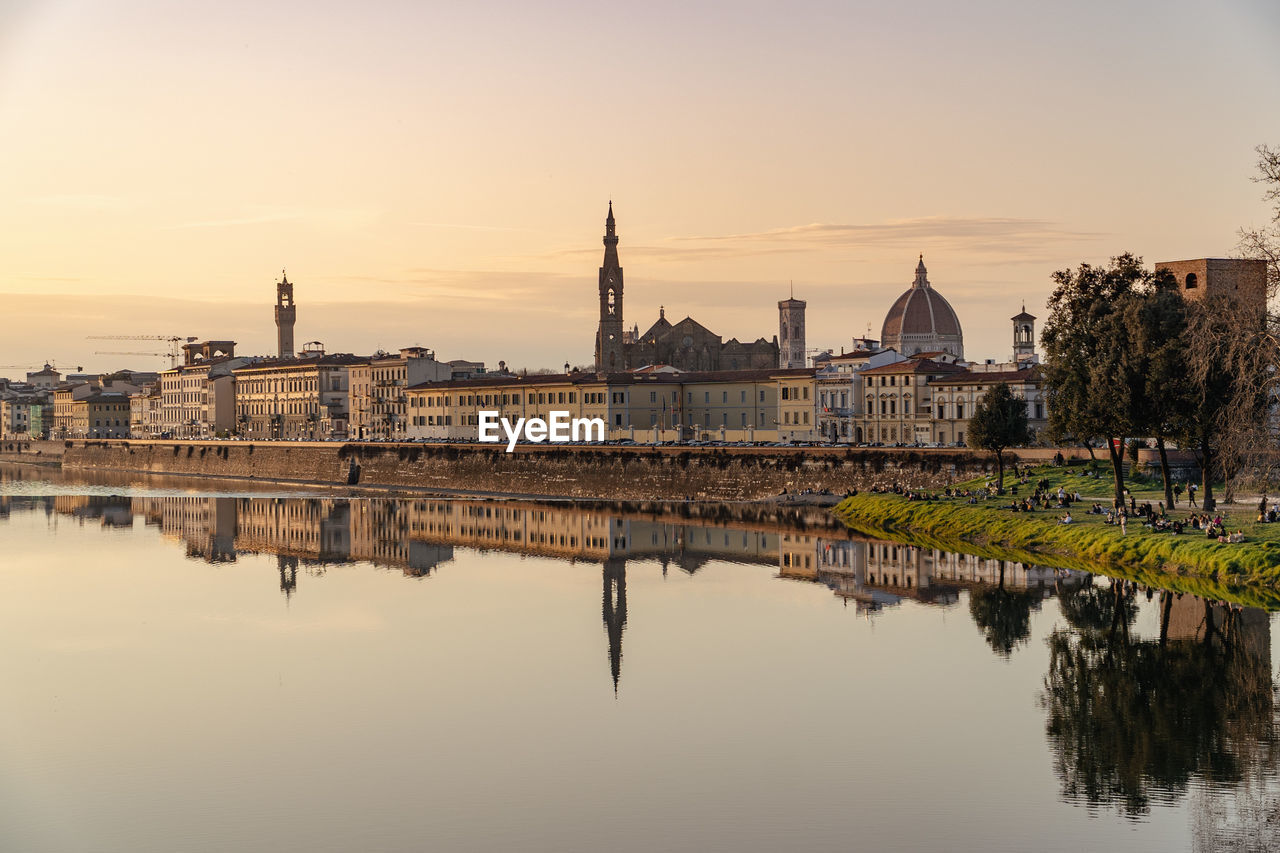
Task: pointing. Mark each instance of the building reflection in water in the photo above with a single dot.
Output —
(1130, 721)
(416, 537)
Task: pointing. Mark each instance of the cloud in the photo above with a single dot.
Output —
(319, 216)
(977, 237)
(83, 201)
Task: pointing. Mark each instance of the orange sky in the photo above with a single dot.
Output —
(438, 174)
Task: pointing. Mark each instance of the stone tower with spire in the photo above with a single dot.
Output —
(1024, 337)
(286, 313)
(791, 332)
(610, 355)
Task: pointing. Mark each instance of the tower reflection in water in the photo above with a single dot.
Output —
(1131, 721)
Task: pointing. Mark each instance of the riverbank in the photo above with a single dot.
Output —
(607, 472)
(1245, 573)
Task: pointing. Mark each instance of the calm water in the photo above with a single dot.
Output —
(187, 669)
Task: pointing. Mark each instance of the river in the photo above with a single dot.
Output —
(203, 666)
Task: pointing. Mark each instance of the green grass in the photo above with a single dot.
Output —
(1247, 573)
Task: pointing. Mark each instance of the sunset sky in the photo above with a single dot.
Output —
(438, 173)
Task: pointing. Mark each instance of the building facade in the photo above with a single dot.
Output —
(379, 403)
(294, 398)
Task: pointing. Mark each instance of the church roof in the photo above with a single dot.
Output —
(914, 365)
(920, 311)
(967, 377)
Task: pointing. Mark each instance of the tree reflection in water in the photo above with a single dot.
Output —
(1133, 722)
(1004, 615)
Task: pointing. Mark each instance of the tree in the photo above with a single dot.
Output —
(1157, 358)
(1264, 242)
(1232, 352)
(1088, 382)
(998, 423)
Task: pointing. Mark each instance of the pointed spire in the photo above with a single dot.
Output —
(610, 233)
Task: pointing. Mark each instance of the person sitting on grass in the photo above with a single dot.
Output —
(1236, 538)
(1066, 519)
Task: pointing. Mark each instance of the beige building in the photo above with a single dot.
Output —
(197, 399)
(101, 415)
(659, 404)
(295, 398)
(955, 397)
(897, 402)
(797, 405)
(379, 402)
(839, 385)
(15, 416)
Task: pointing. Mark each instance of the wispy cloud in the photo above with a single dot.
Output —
(465, 227)
(320, 216)
(82, 201)
(990, 237)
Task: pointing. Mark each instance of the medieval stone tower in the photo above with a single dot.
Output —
(286, 313)
(791, 332)
(610, 354)
(1024, 336)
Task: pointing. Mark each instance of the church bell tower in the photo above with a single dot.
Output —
(791, 351)
(286, 313)
(610, 355)
(1024, 337)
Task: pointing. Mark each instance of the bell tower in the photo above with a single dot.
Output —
(286, 313)
(791, 352)
(1024, 337)
(610, 355)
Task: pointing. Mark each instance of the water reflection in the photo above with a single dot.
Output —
(1131, 721)
(1134, 721)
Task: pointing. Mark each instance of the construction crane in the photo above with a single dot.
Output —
(35, 367)
(119, 352)
(175, 343)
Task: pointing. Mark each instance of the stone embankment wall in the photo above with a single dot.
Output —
(616, 473)
(32, 452)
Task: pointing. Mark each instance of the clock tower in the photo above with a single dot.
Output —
(610, 355)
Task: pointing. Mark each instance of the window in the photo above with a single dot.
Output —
(653, 396)
(960, 415)
(1192, 281)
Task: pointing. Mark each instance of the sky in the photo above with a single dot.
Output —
(437, 174)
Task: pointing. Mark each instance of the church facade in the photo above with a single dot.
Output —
(685, 345)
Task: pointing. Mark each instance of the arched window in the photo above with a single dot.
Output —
(1192, 281)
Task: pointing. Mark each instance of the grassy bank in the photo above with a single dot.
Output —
(1247, 573)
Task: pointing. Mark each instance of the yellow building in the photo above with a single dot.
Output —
(897, 402)
(379, 402)
(294, 398)
(649, 405)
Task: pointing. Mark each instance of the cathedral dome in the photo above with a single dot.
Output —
(921, 320)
